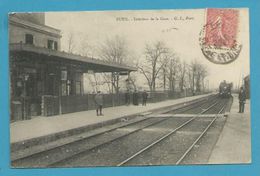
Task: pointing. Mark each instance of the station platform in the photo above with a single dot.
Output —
(43, 126)
(234, 143)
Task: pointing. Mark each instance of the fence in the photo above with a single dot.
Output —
(75, 103)
(48, 105)
(23, 108)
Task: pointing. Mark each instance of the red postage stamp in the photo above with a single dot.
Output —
(218, 38)
(223, 27)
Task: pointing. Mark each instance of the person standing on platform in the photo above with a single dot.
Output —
(144, 95)
(99, 103)
(127, 97)
(242, 100)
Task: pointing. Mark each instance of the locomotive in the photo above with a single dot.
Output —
(225, 89)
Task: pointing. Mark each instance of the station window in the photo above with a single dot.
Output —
(78, 88)
(52, 44)
(64, 78)
(56, 45)
(29, 39)
(78, 83)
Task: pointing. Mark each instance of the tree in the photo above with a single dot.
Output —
(197, 75)
(153, 63)
(192, 75)
(182, 75)
(202, 74)
(173, 68)
(115, 50)
(97, 80)
(166, 61)
(71, 42)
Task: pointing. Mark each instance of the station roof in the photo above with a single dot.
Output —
(93, 64)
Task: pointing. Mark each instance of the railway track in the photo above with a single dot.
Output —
(174, 131)
(112, 145)
(168, 134)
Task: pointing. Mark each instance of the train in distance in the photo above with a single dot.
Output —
(225, 89)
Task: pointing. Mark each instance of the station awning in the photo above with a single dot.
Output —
(87, 63)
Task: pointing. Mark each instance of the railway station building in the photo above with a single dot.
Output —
(44, 80)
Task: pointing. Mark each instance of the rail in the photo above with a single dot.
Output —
(165, 136)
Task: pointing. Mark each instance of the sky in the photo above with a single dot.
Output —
(179, 29)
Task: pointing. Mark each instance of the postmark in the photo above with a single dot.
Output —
(218, 38)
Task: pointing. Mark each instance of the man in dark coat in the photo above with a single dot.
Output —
(99, 103)
(144, 95)
(242, 100)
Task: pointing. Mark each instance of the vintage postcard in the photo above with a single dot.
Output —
(129, 88)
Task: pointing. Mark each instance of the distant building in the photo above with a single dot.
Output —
(43, 80)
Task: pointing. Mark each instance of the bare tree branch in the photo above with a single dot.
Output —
(71, 42)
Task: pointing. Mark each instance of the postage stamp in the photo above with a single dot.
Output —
(218, 38)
